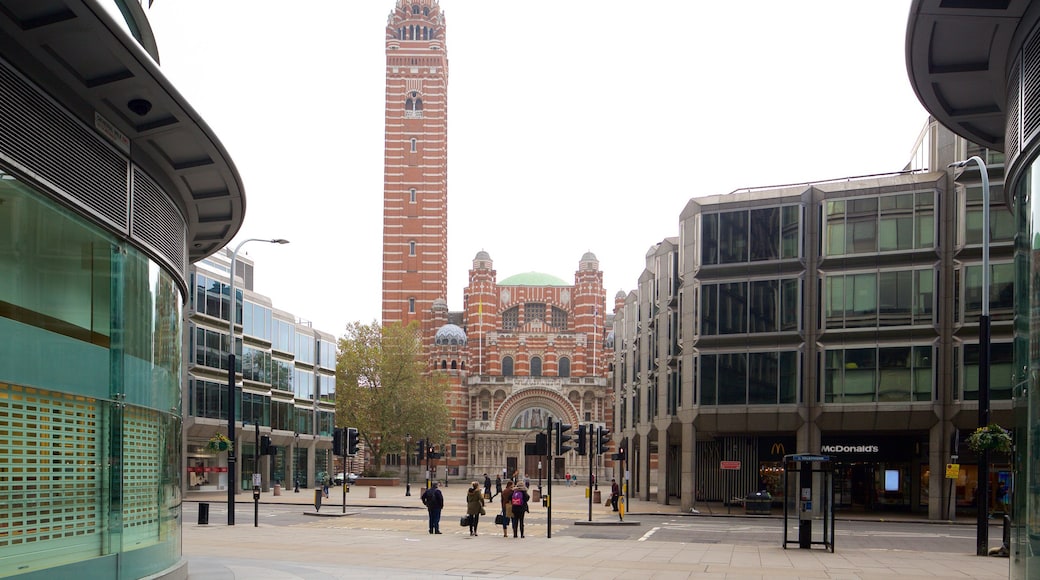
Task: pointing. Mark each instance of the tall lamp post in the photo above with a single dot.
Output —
(408, 464)
(232, 484)
(982, 494)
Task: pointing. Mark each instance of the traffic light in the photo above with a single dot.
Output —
(620, 455)
(339, 441)
(541, 445)
(602, 440)
(561, 438)
(420, 449)
(582, 440)
(265, 446)
(353, 442)
(432, 453)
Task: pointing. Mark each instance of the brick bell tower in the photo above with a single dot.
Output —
(415, 167)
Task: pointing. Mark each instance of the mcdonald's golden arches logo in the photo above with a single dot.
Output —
(777, 449)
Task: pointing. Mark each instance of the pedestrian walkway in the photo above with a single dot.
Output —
(331, 548)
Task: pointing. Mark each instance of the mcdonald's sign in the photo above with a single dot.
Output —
(774, 447)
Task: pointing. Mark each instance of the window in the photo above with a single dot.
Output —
(536, 366)
(896, 222)
(411, 248)
(559, 319)
(507, 367)
(411, 195)
(414, 147)
(413, 106)
(411, 305)
(510, 319)
(871, 375)
(565, 367)
(534, 311)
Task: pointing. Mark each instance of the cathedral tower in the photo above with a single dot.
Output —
(415, 172)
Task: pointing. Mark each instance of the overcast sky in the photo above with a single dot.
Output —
(572, 126)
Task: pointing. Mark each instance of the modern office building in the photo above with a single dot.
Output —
(415, 175)
(287, 392)
(838, 317)
(110, 186)
(974, 66)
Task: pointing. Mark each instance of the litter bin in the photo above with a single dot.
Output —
(277, 489)
(203, 514)
(758, 503)
(372, 491)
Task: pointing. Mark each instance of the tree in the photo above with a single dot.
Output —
(383, 389)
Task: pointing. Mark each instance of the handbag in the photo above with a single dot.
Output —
(464, 521)
(500, 519)
(483, 512)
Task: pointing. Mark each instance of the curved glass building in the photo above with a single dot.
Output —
(110, 186)
(974, 66)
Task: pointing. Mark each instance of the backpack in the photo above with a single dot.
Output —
(518, 498)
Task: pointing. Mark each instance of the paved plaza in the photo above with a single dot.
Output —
(332, 545)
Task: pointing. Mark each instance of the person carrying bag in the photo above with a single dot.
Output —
(502, 519)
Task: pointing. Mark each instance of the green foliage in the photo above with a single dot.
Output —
(992, 437)
(383, 389)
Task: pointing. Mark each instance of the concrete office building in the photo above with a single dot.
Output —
(110, 186)
(974, 66)
(287, 389)
(837, 317)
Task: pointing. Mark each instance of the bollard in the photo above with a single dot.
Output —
(277, 489)
(203, 514)
(372, 491)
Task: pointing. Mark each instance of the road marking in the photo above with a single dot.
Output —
(647, 535)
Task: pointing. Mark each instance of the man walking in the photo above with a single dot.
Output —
(487, 487)
(498, 486)
(433, 499)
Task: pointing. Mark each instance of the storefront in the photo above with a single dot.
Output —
(879, 473)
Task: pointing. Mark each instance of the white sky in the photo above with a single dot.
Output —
(573, 126)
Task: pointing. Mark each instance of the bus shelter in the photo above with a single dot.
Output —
(808, 500)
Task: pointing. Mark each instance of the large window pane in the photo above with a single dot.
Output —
(709, 379)
(733, 308)
(733, 376)
(733, 237)
(763, 378)
(762, 310)
(860, 375)
(710, 239)
(895, 374)
(790, 228)
(765, 234)
(790, 304)
(788, 386)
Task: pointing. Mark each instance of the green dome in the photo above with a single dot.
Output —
(532, 279)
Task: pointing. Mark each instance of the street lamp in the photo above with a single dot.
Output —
(982, 493)
(407, 464)
(232, 479)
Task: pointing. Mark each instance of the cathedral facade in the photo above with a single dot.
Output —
(523, 349)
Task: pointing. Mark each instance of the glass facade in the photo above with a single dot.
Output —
(867, 225)
(1025, 543)
(90, 397)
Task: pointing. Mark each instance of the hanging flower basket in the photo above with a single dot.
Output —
(992, 437)
(218, 443)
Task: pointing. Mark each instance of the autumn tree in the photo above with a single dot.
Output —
(384, 390)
